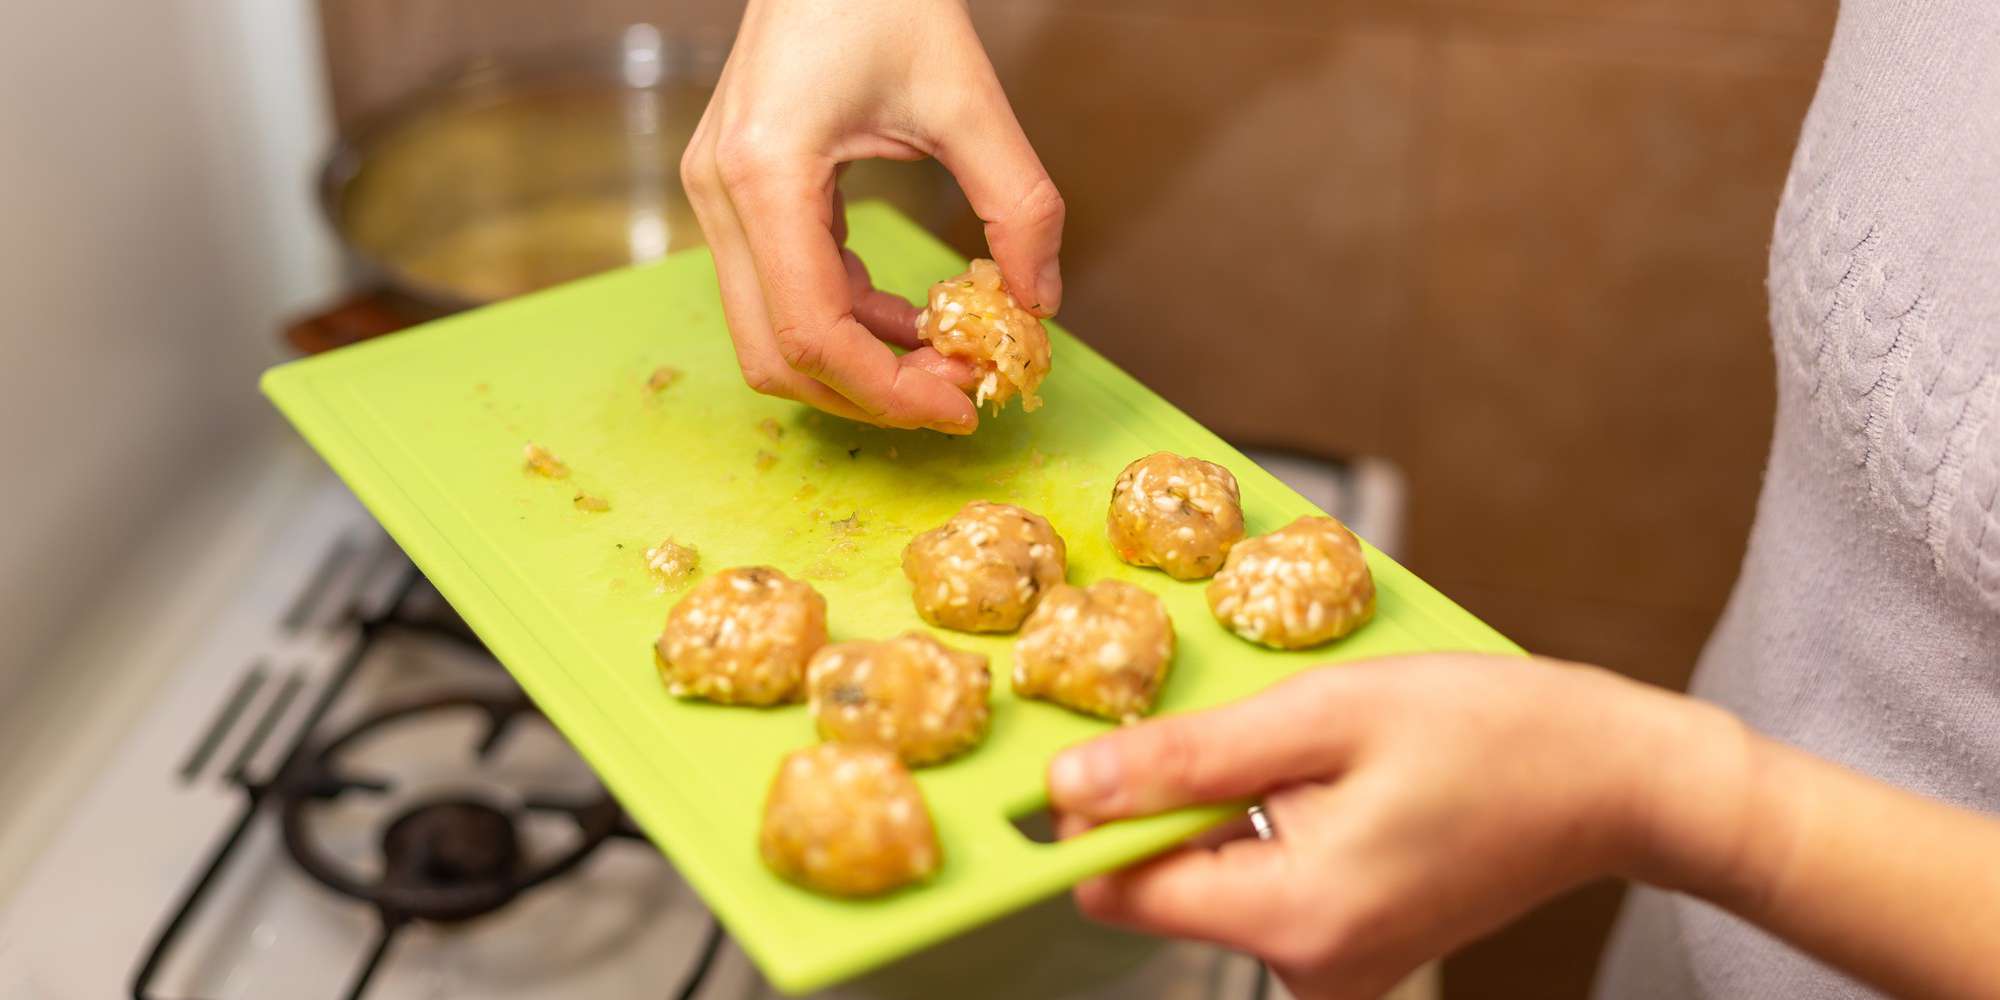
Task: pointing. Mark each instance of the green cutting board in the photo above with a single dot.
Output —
(428, 426)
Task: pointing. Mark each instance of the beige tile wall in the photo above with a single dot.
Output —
(1515, 245)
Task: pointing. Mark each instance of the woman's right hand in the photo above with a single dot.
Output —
(1418, 802)
(815, 84)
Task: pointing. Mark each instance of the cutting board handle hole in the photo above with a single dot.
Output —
(1038, 825)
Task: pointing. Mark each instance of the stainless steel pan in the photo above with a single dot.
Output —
(515, 173)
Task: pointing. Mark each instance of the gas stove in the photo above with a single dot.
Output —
(340, 794)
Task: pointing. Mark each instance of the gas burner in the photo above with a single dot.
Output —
(447, 856)
(450, 843)
(390, 811)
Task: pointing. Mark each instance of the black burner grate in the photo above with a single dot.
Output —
(447, 858)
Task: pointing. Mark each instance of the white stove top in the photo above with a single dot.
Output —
(97, 898)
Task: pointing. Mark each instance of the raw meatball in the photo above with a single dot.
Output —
(911, 694)
(1302, 585)
(742, 637)
(1101, 650)
(1180, 514)
(983, 570)
(847, 820)
(972, 317)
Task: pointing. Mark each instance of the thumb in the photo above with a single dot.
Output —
(1010, 191)
(1289, 733)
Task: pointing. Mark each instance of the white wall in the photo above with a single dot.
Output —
(156, 222)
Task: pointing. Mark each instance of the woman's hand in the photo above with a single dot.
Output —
(812, 85)
(1418, 803)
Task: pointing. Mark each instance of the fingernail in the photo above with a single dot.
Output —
(954, 426)
(1048, 287)
(1086, 774)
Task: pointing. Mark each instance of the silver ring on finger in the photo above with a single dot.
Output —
(1261, 822)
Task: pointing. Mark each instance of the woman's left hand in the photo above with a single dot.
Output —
(1418, 803)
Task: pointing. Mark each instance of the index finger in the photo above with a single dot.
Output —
(788, 221)
(1288, 733)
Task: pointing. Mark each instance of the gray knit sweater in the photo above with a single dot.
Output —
(1865, 627)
